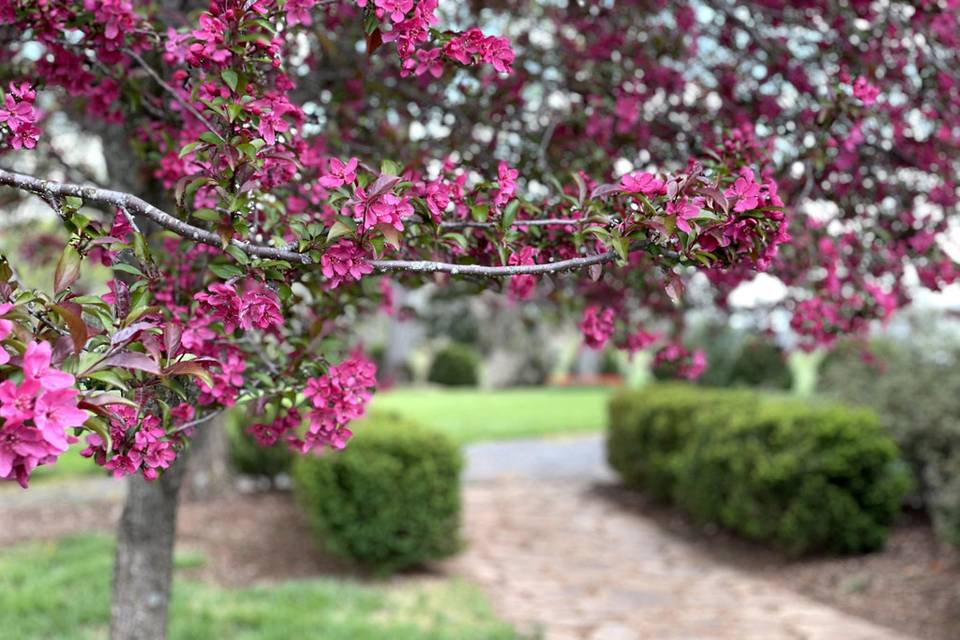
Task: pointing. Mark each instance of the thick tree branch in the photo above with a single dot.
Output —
(131, 204)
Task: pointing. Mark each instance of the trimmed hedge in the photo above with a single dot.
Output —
(455, 365)
(806, 477)
(251, 458)
(916, 393)
(390, 500)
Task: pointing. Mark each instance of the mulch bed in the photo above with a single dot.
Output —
(913, 585)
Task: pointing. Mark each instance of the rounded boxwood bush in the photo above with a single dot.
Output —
(804, 476)
(251, 458)
(455, 366)
(390, 500)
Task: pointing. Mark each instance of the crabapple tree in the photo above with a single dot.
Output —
(275, 166)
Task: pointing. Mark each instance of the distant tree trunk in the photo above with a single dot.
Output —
(143, 567)
(209, 474)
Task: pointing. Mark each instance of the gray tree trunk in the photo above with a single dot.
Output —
(143, 567)
(209, 474)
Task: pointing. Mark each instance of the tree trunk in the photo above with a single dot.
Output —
(209, 474)
(144, 561)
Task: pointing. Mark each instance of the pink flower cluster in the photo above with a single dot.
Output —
(298, 12)
(522, 287)
(344, 262)
(407, 31)
(639, 340)
(18, 117)
(137, 444)
(258, 308)
(682, 363)
(473, 47)
(864, 91)
(381, 209)
(34, 414)
(338, 398)
(507, 181)
(267, 435)
(597, 326)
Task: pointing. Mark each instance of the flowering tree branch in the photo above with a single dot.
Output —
(132, 205)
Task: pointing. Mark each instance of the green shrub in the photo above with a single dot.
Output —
(916, 393)
(804, 477)
(454, 366)
(761, 363)
(390, 500)
(251, 458)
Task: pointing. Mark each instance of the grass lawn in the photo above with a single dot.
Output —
(472, 415)
(62, 590)
(467, 415)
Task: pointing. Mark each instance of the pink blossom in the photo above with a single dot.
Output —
(640, 340)
(269, 434)
(746, 191)
(681, 362)
(17, 400)
(221, 302)
(260, 308)
(597, 326)
(344, 262)
(6, 327)
(864, 91)
(396, 8)
(507, 182)
(36, 366)
(56, 411)
(22, 448)
(298, 11)
(683, 210)
(522, 286)
(339, 173)
(645, 183)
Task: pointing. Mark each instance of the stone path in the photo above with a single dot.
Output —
(561, 561)
(558, 560)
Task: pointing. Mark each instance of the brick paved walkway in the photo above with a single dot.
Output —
(561, 561)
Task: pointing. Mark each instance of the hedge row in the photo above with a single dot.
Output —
(806, 477)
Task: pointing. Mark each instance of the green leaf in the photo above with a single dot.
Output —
(390, 168)
(127, 268)
(230, 78)
(68, 269)
(338, 230)
(510, 214)
(226, 271)
(210, 137)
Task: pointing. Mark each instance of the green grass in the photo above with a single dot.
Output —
(70, 465)
(467, 415)
(473, 415)
(62, 590)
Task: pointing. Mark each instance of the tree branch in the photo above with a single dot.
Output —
(173, 92)
(426, 266)
(131, 204)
